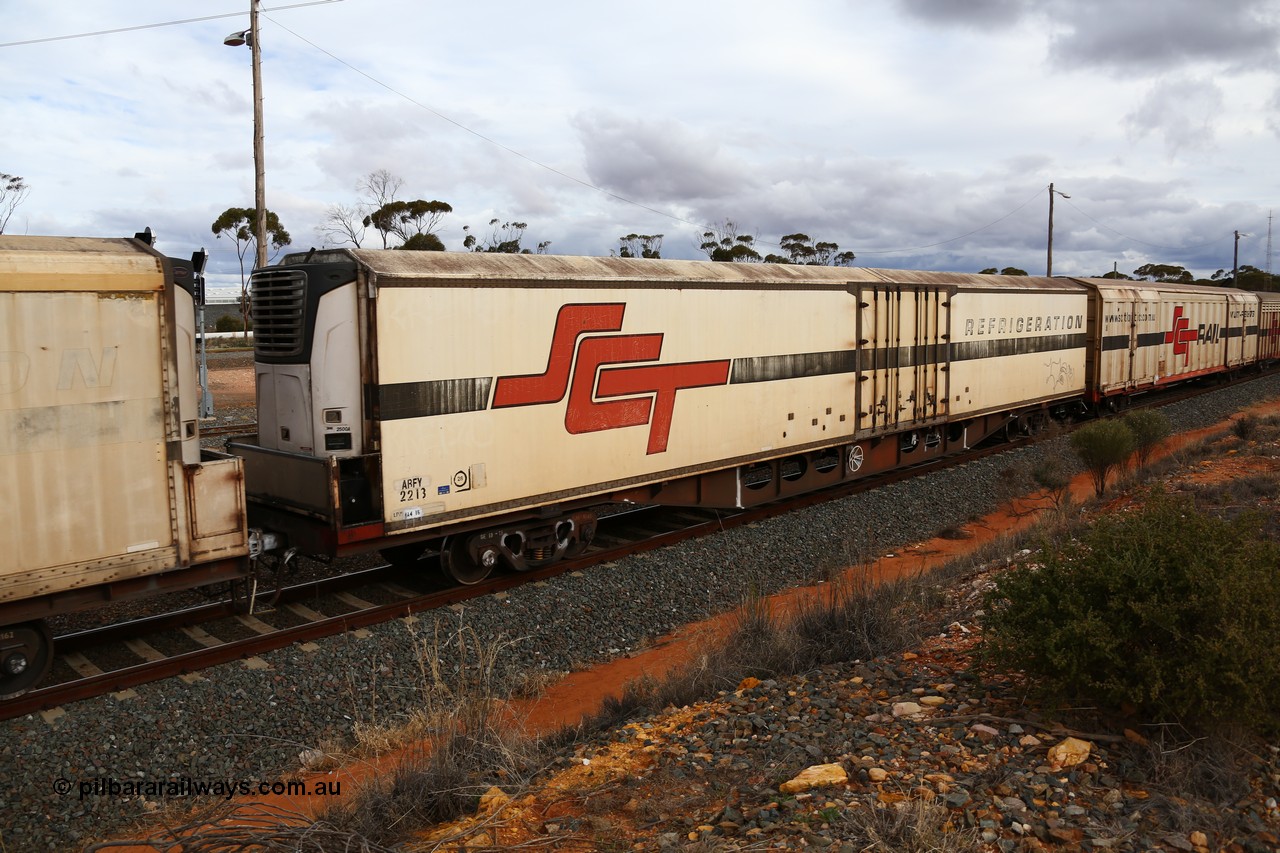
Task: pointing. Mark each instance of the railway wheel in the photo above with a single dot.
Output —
(403, 556)
(26, 653)
(464, 566)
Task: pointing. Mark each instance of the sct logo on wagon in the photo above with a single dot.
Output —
(634, 395)
(1182, 334)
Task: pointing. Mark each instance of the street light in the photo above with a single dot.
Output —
(1048, 267)
(250, 37)
(1235, 261)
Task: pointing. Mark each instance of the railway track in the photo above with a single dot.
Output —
(118, 657)
(228, 429)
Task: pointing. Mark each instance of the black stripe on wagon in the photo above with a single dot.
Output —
(1146, 339)
(767, 368)
(969, 350)
(892, 357)
(1152, 339)
(1115, 342)
(440, 397)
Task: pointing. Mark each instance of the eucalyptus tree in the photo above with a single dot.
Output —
(402, 220)
(640, 246)
(13, 191)
(724, 243)
(503, 239)
(803, 249)
(237, 224)
(345, 223)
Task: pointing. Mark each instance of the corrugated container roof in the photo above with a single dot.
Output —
(498, 267)
(77, 264)
(1112, 285)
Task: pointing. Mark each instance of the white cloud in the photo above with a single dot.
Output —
(1183, 111)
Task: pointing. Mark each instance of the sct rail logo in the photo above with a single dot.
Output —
(1182, 334)
(602, 397)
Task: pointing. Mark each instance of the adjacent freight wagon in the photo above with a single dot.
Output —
(491, 399)
(105, 493)
(1268, 327)
(1147, 334)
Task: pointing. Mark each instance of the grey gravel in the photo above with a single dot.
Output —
(239, 723)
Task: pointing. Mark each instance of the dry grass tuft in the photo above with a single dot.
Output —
(912, 826)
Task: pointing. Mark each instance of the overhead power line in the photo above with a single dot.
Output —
(1136, 240)
(665, 214)
(477, 133)
(953, 239)
(162, 24)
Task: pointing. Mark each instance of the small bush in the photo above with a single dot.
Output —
(456, 743)
(1014, 482)
(915, 826)
(1052, 475)
(1102, 446)
(1165, 610)
(1148, 428)
(1245, 427)
(229, 323)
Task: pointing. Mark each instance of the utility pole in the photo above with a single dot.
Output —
(259, 167)
(1235, 261)
(1048, 266)
(1268, 246)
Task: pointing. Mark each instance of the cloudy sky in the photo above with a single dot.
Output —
(917, 133)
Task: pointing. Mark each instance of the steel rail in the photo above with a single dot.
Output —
(115, 680)
(229, 429)
(142, 673)
(90, 638)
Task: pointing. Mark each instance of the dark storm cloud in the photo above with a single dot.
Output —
(896, 216)
(974, 13)
(1153, 36)
(1273, 112)
(1134, 35)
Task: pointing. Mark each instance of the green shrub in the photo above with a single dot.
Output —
(229, 323)
(1052, 475)
(1149, 428)
(1245, 427)
(1102, 446)
(1166, 610)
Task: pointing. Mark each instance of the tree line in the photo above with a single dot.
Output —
(411, 224)
(1250, 277)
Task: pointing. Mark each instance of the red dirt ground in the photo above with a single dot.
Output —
(232, 387)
